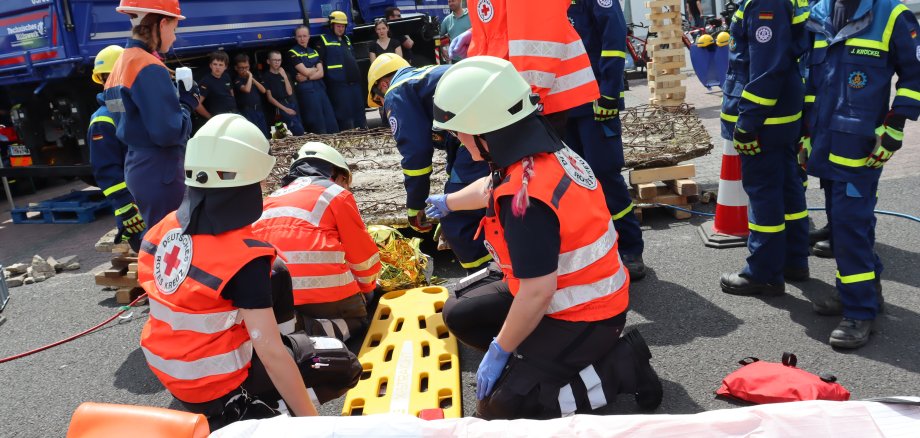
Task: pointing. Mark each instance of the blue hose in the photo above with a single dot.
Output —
(884, 212)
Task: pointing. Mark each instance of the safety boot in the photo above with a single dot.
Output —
(851, 333)
(740, 284)
(815, 236)
(823, 249)
(796, 275)
(634, 265)
(832, 306)
(649, 391)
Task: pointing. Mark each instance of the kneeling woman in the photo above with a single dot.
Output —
(562, 303)
(219, 336)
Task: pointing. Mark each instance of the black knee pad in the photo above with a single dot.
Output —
(325, 363)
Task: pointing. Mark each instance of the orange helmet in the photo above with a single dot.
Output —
(140, 8)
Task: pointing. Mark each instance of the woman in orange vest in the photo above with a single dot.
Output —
(563, 299)
(314, 221)
(220, 336)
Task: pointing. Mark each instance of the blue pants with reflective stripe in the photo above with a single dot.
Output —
(348, 104)
(604, 153)
(156, 178)
(851, 213)
(773, 185)
(315, 109)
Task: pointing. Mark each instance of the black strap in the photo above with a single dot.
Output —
(829, 378)
(789, 359)
(748, 360)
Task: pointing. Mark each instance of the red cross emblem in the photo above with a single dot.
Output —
(485, 9)
(172, 260)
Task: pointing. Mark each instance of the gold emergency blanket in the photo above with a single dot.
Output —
(403, 264)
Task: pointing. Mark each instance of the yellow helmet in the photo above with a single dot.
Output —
(385, 64)
(105, 61)
(338, 17)
(722, 39)
(704, 40)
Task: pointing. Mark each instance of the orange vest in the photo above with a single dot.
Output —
(316, 225)
(194, 340)
(539, 40)
(592, 283)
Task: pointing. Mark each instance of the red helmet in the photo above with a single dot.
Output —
(169, 8)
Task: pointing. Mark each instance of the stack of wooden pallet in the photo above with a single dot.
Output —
(664, 185)
(122, 274)
(667, 52)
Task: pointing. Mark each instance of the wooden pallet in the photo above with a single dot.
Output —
(667, 52)
(121, 274)
(664, 185)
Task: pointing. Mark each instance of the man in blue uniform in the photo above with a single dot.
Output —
(593, 131)
(407, 96)
(107, 155)
(762, 115)
(858, 46)
(341, 74)
(316, 111)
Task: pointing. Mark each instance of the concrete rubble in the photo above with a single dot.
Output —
(39, 270)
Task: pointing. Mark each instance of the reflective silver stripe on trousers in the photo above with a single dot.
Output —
(312, 216)
(542, 79)
(546, 49)
(574, 295)
(314, 257)
(567, 404)
(225, 363)
(321, 281)
(367, 264)
(583, 257)
(593, 383)
(207, 323)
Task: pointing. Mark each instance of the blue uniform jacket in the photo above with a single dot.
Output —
(335, 53)
(144, 102)
(603, 31)
(107, 155)
(849, 83)
(408, 104)
(763, 85)
(309, 58)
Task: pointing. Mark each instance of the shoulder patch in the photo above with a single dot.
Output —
(172, 261)
(484, 10)
(764, 34)
(918, 53)
(605, 3)
(394, 125)
(576, 168)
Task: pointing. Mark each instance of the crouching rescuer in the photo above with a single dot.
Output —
(551, 327)
(314, 220)
(220, 336)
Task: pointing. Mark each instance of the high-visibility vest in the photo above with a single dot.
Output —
(592, 282)
(316, 225)
(194, 340)
(541, 43)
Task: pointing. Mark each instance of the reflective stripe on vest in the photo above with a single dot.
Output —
(208, 323)
(322, 281)
(312, 216)
(314, 257)
(367, 264)
(572, 296)
(583, 257)
(228, 362)
(542, 79)
(546, 49)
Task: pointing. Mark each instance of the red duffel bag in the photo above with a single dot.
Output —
(770, 382)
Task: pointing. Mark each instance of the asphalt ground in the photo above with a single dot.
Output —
(696, 333)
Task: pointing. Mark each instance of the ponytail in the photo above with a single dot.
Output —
(521, 199)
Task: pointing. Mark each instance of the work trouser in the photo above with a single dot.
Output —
(777, 215)
(560, 368)
(315, 109)
(156, 179)
(341, 319)
(348, 104)
(603, 150)
(255, 115)
(459, 230)
(851, 215)
(292, 122)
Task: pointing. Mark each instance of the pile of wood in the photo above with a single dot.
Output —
(122, 274)
(664, 185)
(667, 52)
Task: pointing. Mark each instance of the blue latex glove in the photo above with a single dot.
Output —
(459, 46)
(490, 369)
(437, 207)
(191, 98)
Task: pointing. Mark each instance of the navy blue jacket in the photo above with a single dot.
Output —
(338, 58)
(603, 31)
(107, 155)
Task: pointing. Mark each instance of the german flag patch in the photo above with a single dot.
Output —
(98, 137)
(765, 16)
(913, 34)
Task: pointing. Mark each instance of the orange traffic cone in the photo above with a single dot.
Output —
(730, 227)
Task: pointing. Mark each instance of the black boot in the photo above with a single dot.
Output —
(648, 386)
(851, 333)
(831, 306)
(740, 284)
(823, 249)
(815, 236)
(634, 265)
(796, 274)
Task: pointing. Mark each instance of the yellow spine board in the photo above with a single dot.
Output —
(409, 357)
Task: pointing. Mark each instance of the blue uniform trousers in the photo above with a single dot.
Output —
(851, 214)
(348, 104)
(458, 229)
(604, 153)
(315, 109)
(777, 215)
(155, 176)
(257, 117)
(292, 122)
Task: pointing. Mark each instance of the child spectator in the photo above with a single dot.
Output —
(216, 88)
(279, 92)
(249, 93)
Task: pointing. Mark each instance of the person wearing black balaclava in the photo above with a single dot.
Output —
(220, 336)
(562, 303)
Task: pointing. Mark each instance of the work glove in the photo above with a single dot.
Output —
(419, 222)
(437, 207)
(490, 369)
(132, 223)
(745, 142)
(459, 46)
(890, 137)
(606, 108)
(190, 98)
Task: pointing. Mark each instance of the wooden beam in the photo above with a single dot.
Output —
(662, 174)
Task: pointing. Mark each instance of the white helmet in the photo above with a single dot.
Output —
(228, 151)
(481, 94)
(322, 151)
